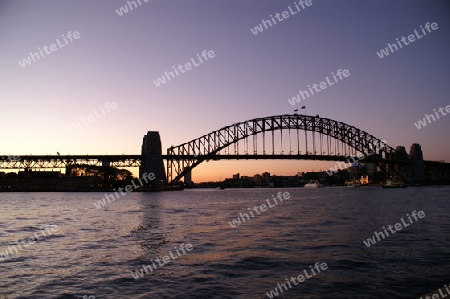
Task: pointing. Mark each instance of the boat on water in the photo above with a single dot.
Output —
(353, 184)
(159, 188)
(313, 184)
(390, 183)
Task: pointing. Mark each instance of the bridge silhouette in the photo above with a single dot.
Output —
(280, 137)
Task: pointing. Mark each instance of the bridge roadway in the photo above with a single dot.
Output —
(59, 161)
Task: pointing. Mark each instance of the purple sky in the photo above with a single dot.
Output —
(117, 58)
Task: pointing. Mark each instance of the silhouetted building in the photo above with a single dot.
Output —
(257, 178)
(28, 173)
(266, 177)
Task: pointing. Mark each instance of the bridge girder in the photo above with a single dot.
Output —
(61, 162)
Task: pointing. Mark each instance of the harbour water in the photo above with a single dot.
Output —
(94, 252)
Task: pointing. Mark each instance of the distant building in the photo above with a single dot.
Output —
(28, 173)
(266, 177)
(236, 176)
(257, 179)
(315, 175)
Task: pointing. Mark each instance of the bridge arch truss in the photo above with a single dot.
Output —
(309, 137)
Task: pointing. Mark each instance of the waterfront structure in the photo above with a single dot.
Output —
(152, 161)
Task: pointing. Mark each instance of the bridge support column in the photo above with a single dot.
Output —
(152, 161)
(106, 163)
(188, 178)
(68, 170)
(403, 168)
(417, 167)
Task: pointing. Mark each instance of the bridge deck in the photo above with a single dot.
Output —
(59, 161)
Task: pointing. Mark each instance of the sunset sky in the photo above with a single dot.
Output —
(116, 58)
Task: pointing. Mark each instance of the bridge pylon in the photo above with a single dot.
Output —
(152, 160)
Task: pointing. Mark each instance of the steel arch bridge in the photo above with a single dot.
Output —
(305, 135)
